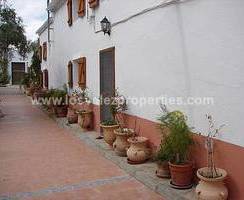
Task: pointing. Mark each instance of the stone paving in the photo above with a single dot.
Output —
(46, 158)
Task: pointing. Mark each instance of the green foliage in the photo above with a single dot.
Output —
(4, 77)
(12, 37)
(26, 80)
(12, 33)
(109, 123)
(35, 68)
(175, 145)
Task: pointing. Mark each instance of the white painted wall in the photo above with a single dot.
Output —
(15, 57)
(195, 48)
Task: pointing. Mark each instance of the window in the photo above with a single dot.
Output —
(70, 74)
(81, 8)
(69, 9)
(40, 53)
(82, 72)
(44, 51)
(93, 3)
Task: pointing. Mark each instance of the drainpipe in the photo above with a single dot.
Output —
(48, 22)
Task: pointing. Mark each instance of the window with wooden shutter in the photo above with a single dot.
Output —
(44, 51)
(93, 3)
(40, 53)
(70, 75)
(82, 72)
(82, 8)
(69, 11)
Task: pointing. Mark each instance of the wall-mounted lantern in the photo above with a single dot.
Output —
(106, 26)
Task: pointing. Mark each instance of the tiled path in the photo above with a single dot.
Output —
(39, 160)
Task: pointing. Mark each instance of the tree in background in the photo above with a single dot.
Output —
(35, 68)
(12, 36)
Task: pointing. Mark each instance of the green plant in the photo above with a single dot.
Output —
(177, 143)
(209, 144)
(109, 123)
(26, 80)
(81, 94)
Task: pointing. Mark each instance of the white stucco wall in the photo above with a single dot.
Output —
(195, 48)
(15, 57)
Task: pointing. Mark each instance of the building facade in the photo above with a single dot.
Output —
(188, 52)
(17, 67)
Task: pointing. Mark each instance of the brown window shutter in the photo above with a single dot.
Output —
(44, 51)
(70, 74)
(82, 8)
(82, 72)
(69, 11)
(40, 52)
(93, 3)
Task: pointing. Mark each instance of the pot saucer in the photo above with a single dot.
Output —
(161, 176)
(135, 162)
(180, 187)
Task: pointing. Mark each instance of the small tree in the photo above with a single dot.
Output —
(35, 68)
(209, 144)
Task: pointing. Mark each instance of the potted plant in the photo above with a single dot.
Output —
(59, 102)
(48, 103)
(163, 154)
(85, 114)
(138, 152)
(211, 185)
(178, 143)
(109, 126)
(25, 82)
(122, 133)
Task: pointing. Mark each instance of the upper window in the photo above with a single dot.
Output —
(69, 12)
(93, 3)
(44, 54)
(81, 8)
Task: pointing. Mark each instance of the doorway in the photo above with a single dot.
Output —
(107, 80)
(18, 72)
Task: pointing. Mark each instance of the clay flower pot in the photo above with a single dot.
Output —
(163, 169)
(39, 94)
(108, 133)
(121, 143)
(211, 188)
(72, 116)
(181, 175)
(28, 91)
(60, 111)
(138, 151)
(85, 119)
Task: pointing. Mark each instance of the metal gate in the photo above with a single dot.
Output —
(18, 72)
(107, 80)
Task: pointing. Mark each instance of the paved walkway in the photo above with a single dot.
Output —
(39, 160)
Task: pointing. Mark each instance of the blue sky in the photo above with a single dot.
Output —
(33, 13)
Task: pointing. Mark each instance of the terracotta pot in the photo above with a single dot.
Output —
(163, 169)
(138, 151)
(60, 111)
(85, 119)
(39, 94)
(181, 175)
(121, 143)
(72, 116)
(211, 188)
(108, 133)
(28, 91)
